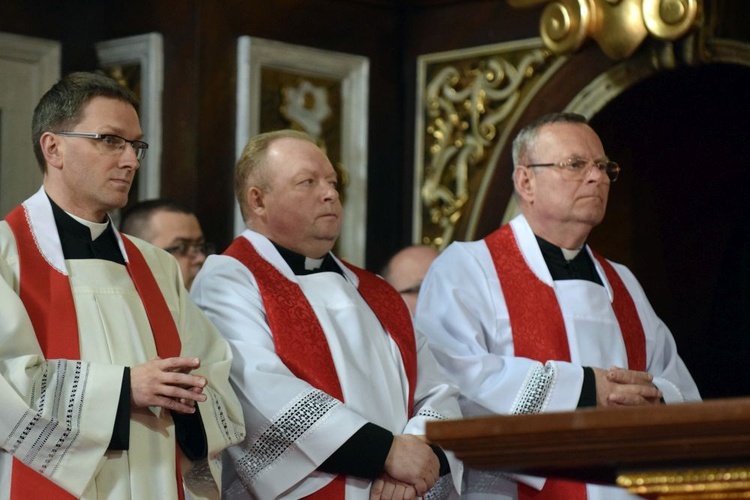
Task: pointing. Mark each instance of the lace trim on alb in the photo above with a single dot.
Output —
(265, 447)
(536, 391)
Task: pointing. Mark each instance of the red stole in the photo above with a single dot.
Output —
(299, 339)
(539, 330)
(48, 299)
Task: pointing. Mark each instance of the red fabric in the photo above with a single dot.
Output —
(53, 316)
(299, 339)
(393, 314)
(297, 336)
(539, 331)
(627, 317)
(57, 333)
(166, 336)
(535, 317)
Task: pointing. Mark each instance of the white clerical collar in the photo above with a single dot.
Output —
(570, 254)
(312, 264)
(96, 228)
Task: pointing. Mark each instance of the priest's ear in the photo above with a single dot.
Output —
(53, 150)
(524, 182)
(255, 201)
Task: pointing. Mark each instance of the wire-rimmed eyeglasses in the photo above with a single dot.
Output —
(577, 168)
(114, 143)
(185, 248)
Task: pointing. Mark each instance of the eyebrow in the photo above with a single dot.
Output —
(182, 239)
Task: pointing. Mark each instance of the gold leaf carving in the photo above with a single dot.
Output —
(618, 26)
(465, 103)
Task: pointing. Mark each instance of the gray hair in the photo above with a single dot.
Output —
(524, 141)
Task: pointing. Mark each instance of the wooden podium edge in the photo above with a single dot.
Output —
(596, 445)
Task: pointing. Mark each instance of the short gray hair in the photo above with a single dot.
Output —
(524, 141)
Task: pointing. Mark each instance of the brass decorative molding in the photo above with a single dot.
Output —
(703, 484)
(467, 102)
(618, 26)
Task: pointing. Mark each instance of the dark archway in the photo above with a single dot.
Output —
(679, 216)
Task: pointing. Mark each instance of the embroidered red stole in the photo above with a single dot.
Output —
(299, 339)
(48, 299)
(539, 330)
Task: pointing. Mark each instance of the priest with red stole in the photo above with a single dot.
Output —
(113, 384)
(530, 319)
(335, 386)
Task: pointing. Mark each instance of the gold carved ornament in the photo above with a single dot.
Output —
(618, 26)
(465, 104)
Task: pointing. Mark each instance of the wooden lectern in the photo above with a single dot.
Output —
(682, 451)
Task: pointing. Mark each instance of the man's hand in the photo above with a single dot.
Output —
(413, 462)
(167, 383)
(387, 488)
(620, 387)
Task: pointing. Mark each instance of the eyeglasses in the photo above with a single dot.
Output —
(185, 248)
(412, 289)
(577, 168)
(114, 143)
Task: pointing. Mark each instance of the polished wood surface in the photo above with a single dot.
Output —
(598, 444)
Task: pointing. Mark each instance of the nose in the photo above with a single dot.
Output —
(198, 257)
(129, 158)
(594, 174)
(330, 193)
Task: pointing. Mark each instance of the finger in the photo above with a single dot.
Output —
(182, 380)
(377, 489)
(180, 364)
(621, 376)
(388, 489)
(399, 492)
(422, 486)
(627, 399)
(173, 405)
(410, 493)
(179, 393)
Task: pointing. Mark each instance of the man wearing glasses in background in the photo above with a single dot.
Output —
(531, 320)
(113, 384)
(173, 227)
(406, 269)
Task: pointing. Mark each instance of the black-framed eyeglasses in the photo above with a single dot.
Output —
(113, 142)
(185, 248)
(577, 168)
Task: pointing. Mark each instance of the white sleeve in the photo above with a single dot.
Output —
(671, 375)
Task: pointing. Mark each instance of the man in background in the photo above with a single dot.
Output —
(170, 226)
(406, 269)
(531, 320)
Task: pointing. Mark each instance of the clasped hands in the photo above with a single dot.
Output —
(621, 387)
(411, 469)
(167, 383)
